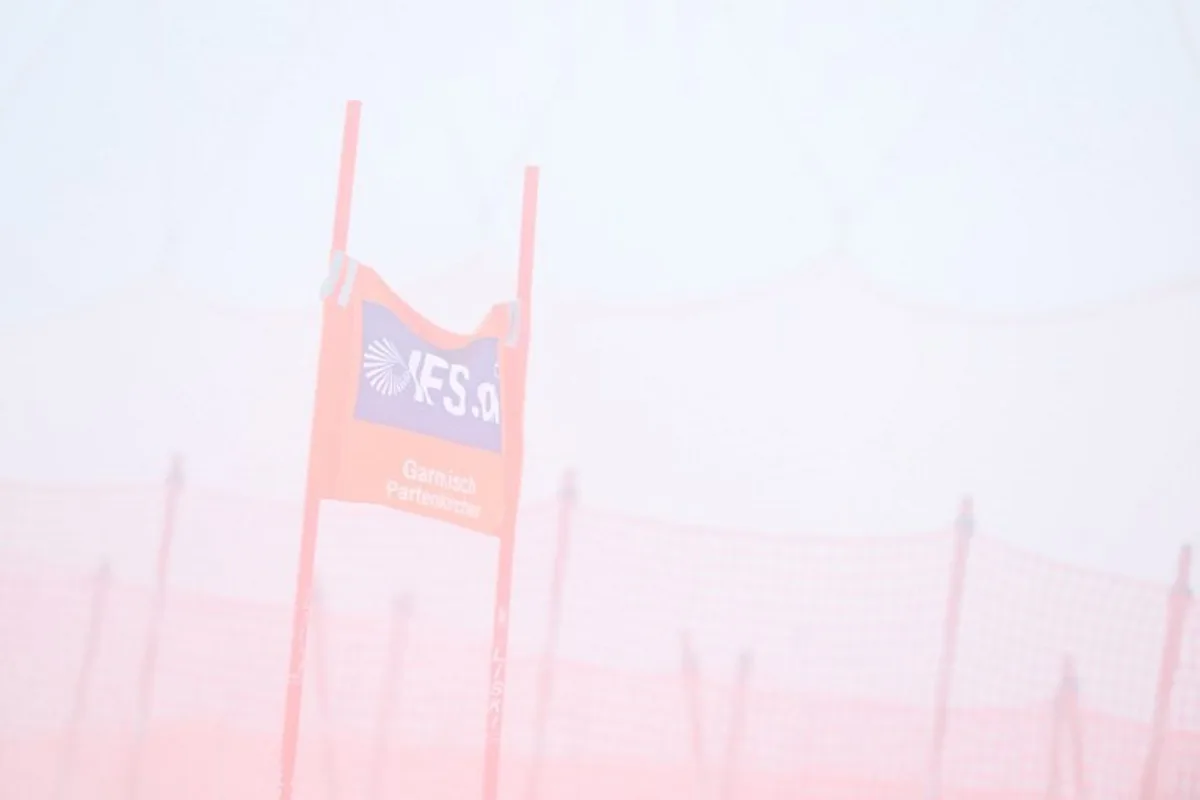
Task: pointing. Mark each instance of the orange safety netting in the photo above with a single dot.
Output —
(686, 662)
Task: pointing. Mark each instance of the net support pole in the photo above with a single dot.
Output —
(514, 433)
(317, 451)
(691, 688)
(83, 681)
(1057, 721)
(146, 678)
(393, 669)
(737, 726)
(1075, 729)
(1177, 608)
(964, 528)
(1066, 726)
(567, 495)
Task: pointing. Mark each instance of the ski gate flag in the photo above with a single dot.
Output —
(412, 416)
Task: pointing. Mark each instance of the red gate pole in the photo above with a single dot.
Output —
(312, 501)
(321, 684)
(964, 527)
(174, 489)
(84, 681)
(397, 640)
(566, 508)
(514, 445)
(1177, 607)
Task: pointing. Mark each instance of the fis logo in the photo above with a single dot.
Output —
(422, 375)
(406, 383)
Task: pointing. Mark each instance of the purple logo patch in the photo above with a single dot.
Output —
(406, 383)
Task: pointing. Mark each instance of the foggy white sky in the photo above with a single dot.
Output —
(1001, 155)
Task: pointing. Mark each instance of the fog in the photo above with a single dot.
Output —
(806, 277)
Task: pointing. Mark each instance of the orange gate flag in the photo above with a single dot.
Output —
(410, 415)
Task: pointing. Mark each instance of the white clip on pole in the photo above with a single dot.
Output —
(514, 324)
(336, 262)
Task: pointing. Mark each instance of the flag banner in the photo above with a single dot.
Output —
(412, 412)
